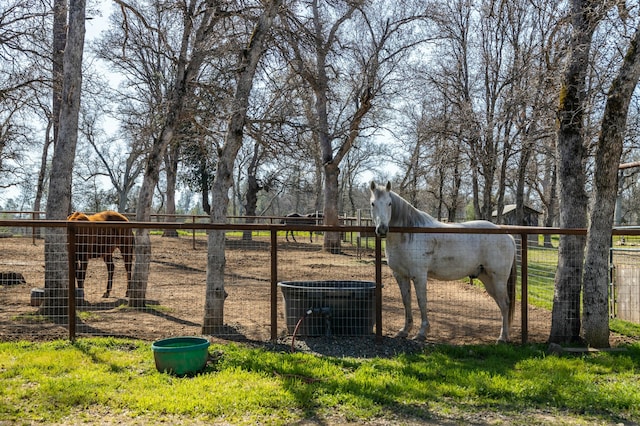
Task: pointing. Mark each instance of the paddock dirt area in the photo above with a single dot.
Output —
(459, 313)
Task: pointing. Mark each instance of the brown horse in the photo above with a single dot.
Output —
(92, 243)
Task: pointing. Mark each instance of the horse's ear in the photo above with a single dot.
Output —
(372, 186)
(388, 185)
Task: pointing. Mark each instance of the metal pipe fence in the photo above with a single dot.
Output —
(257, 259)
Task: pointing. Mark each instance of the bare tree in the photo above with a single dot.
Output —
(608, 154)
(143, 40)
(251, 52)
(571, 156)
(171, 160)
(319, 42)
(109, 157)
(25, 82)
(59, 198)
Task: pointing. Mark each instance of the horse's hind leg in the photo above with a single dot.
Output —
(497, 288)
(127, 256)
(405, 291)
(81, 271)
(108, 259)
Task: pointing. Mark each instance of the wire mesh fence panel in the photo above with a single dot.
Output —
(625, 281)
(322, 293)
(542, 263)
(172, 296)
(247, 307)
(460, 311)
(27, 311)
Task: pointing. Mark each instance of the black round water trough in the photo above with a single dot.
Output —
(322, 308)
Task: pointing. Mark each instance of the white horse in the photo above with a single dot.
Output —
(443, 256)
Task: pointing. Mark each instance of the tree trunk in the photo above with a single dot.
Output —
(452, 212)
(475, 187)
(191, 57)
(215, 293)
(42, 173)
(488, 166)
(331, 169)
(253, 187)
(551, 203)
(205, 186)
(59, 196)
(525, 155)
(571, 155)
(171, 170)
(140, 274)
(60, 11)
(608, 153)
(331, 239)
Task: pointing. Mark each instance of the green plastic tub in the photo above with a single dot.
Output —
(181, 355)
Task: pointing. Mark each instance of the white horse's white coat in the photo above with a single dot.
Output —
(446, 257)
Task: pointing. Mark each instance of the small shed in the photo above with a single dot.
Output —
(531, 216)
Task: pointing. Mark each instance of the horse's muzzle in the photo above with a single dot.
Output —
(381, 230)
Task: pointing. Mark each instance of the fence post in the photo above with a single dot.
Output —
(71, 253)
(33, 228)
(524, 284)
(358, 238)
(378, 289)
(274, 284)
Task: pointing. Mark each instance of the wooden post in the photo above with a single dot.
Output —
(71, 253)
(378, 289)
(274, 283)
(193, 231)
(33, 228)
(524, 284)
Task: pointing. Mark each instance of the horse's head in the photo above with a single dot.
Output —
(78, 216)
(381, 208)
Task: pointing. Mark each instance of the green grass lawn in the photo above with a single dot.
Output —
(109, 380)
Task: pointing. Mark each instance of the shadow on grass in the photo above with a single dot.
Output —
(413, 385)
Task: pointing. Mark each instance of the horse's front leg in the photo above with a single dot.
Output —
(405, 291)
(420, 282)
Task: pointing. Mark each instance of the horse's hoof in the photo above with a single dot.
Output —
(502, 342)
(419, 338)
(402, 334)
(106, 295)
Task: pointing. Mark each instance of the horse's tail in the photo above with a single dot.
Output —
(511, 288)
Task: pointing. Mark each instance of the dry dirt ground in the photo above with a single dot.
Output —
(459, 313)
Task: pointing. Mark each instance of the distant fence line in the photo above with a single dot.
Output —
(273, 227)
(162, 218)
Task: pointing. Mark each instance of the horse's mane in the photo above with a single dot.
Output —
(404, 214)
